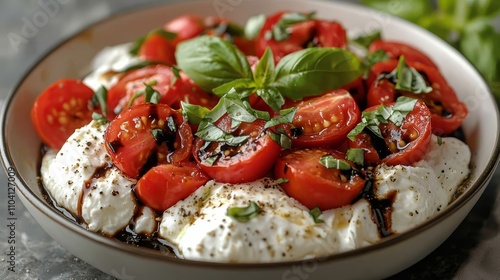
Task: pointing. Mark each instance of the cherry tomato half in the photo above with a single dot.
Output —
(164, 185)
(146, 135)
(158, 49)
(324, 120)
(160, 77)
(396, 49)
(403, 144)
(447, 111)
(241, 163)
(60, 109)
(312, 184)
(317, 33)
(185, 27)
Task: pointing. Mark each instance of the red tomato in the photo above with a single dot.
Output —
(357, 90)
(447, 111)
(193, 94)
(238, 164)
(162, 78)
(396, 49)
(60, 109)
(318, 33)
(158, 49)
(185, 27)
(324, 120)
(164, 185)
(405, 144)
(134, 149)
(312, 184)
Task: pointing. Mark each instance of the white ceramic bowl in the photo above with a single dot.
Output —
(21, 148)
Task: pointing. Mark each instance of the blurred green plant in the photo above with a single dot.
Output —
(471, 26)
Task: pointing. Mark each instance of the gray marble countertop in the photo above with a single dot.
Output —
(471, 252)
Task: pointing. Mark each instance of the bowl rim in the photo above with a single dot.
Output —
(56, 216)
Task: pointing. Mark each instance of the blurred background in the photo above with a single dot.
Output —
(471, 26)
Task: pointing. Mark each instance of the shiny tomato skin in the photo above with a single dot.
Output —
(193, 94)
(244, 163)
(185, 27)
(365, 142)
(314, 185)
(324, 120)
(133, 148)
(447, 111)
(357, 90)
(157, 48)
(160, 76)
(61, 108)
(396, 49)
(164, 185)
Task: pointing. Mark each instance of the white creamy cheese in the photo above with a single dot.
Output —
(284, 230)
(107, 63)
(106, 203)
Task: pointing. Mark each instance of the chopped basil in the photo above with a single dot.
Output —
(356, 155)
(280, 30)
(286, 116)
(330, 162)
(244, 214)
(138, 65)
(383, 114)
(171, 124)
(406, 78)
(158, 135)
(281, 181)
(281, 138)
(254, 25)
(211, 160)
(136, 46)
(211, 133)
(99, 118)
(315, 214)
(151, 95)
(439, 141)
(193, 113)
(367, 39)
(272, 97)
(100, 98)
(372, 59)
(176, 71)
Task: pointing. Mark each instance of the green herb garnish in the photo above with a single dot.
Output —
(244, 214)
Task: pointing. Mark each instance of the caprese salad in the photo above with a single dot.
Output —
(263, 143)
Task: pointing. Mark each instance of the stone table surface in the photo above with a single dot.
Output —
(471, 252)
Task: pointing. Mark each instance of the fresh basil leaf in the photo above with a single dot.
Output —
(367, 39)
(404, 104)
(158, 135)
(280, 32)
(99, 118)
(211, 160)
(193, 113)
(239, 86)
(254, 25)
(237, 110)
(356, 155)
(272, 97)
(244, 214)
(439, 141)
(100, 98)
(265, 70)
(330, 162)
(315, 214)
(314, 71)
(171, 124)
(211, 61)
(226, 29)
(410, 10)
(286, 116)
